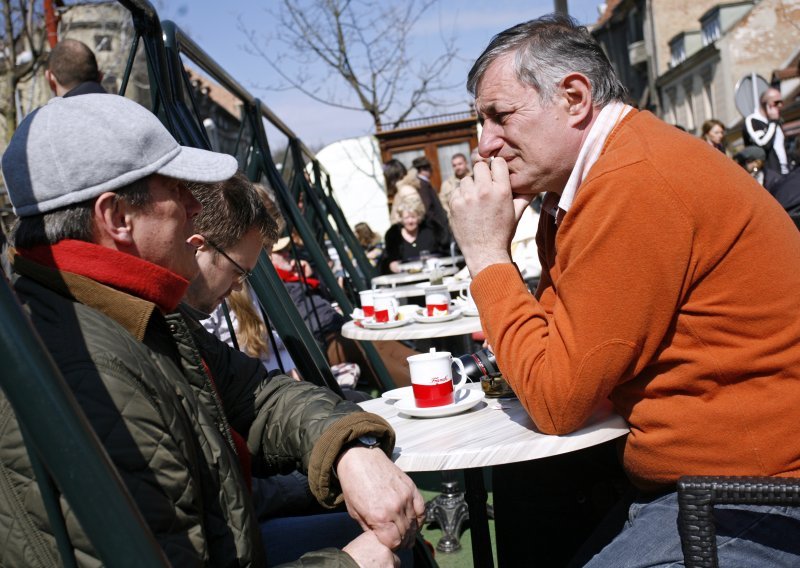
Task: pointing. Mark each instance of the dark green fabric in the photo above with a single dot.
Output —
(155, 411)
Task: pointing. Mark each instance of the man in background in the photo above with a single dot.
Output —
(72, 70)
(435, 215)
(763, 129)
(460, 170)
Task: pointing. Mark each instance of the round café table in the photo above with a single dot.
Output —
(418, 289)
(463, 325)
(495, 432)
(408, 277)
(443, 261)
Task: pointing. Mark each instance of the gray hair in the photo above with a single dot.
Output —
(74, 221)
(411, 204)
(545, 51)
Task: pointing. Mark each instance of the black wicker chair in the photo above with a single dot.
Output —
(697, 497)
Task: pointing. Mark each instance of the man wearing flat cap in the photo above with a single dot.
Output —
(101, 262)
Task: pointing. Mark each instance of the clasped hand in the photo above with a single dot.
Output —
(380, 496)
(484, 214)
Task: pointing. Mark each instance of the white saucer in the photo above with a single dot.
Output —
(422, 318)
(385, 325)
(469, 312)
(357, 315)
(402, 392)
(464, 400)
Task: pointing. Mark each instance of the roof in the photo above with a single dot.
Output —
(604, 18)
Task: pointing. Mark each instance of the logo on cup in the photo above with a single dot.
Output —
(437, 300)
(432, 378)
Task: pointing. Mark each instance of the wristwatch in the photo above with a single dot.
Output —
(366, 441)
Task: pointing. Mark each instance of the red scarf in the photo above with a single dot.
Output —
(290, 276)
(119, 270)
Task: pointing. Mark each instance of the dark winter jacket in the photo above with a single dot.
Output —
(140, 381)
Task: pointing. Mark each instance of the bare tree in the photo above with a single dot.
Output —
(361, 44)
(22, 52)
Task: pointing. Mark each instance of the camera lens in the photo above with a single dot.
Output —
(478, 365)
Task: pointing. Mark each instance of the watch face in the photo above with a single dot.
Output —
(369, 441)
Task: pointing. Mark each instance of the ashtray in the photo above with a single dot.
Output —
(496, 387)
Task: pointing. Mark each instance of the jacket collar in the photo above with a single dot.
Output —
(130, 312)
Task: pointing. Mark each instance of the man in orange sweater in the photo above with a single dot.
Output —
(669, 285)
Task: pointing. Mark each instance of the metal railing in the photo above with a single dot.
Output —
(164, 44)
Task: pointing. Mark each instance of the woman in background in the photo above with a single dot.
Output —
(410, 238)
(370, 241)
(713, 132)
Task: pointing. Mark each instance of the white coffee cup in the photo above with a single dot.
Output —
(469, 302)
(437, 301)
(385, 307)
(432, 378)
(367, 303)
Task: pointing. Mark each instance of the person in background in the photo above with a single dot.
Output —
(410, 238)
(752, 159)
(72, 70)
(713, 132)
(400, 183)
(680, 306)
(460, 171)
(325, 323)
(370, 241)
(435, 215)
(763, 128)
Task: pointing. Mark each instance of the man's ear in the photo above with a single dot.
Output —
(51, 80)
(577, 92)
(113, 221)
(198, 241)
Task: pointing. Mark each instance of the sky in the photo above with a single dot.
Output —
(215, 25)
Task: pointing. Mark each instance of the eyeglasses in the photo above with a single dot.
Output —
(244, 274)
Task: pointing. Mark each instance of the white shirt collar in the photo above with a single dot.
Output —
(607, 119)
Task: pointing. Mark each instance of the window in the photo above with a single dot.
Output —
(407, 156)
(677, 51)
(711, 30)
(102, 42)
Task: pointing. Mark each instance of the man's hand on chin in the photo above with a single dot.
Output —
(380, 496)
(484, 215)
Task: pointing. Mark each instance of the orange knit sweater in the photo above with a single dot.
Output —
(671, 287)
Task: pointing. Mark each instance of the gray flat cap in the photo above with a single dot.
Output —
(72, 150)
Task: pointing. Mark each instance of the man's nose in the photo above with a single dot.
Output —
(490, 143)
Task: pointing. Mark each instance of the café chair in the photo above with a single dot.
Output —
(698, 495)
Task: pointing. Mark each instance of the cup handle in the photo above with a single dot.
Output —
(462, 372)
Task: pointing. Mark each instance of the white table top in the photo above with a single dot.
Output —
(408, 277)
(443, 261)
(459, 326)
(495, 432)
(418, 289)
